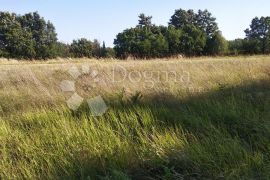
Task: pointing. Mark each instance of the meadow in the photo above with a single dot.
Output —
(198, 118)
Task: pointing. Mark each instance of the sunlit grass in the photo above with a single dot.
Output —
(222, 131)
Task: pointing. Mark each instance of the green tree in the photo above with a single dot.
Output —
(6, 22)
(103, 50)
(173, 37)
(252, 46)
(206, 22)
(260, 31)
(216, 45)
(141, 42)
(193, 41)
(43, 34)
(96, 49)
(81, 48)
(19, 43)
(202, 20)
(145, 20)
(27, 36)
(15, 41)
(63, 50)
(235, 47)
(182, 18)
(159, 45)
(124, 42)
(110, 53)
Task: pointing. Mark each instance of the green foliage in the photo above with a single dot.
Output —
(110, 53)
(63, 50)
(43, 34)
(96, 49)
(189, 33)
(259, 32)
(173, 36)
(27, 36)
(18, 42)
(182, 18)
(193, 41)
(202, 20)
(252, 46)
(159, 46)
(106, 52)
(81, 48)
(145, 20)
(206, 22)
(244, 46)
(216, 45)
(186, 34)
(235, 47)
(141, 42)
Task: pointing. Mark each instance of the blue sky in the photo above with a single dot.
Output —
(103, 19)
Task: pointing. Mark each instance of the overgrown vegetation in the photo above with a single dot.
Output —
(222, 132)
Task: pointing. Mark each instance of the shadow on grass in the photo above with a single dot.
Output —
(243, 110)
(229, 128)
(226, 134)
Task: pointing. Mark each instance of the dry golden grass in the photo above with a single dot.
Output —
(41, 80)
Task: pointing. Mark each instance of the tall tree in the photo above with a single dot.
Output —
(43, 33)
(15, 41)
(206, 22)
(202, 20)
(193, 41)
(145, 21)
(216, 45)
(183, 18)
(173, 37)
(260, 30)
(96, 48)
(6, 21)
(19, 43)
(103, 50)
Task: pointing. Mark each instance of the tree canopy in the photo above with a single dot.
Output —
(202, 20)
(145, 20)
(260, 31)
(188, 33)
(27, 36)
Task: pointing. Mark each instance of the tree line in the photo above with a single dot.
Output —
(188, 33)
(31, 37)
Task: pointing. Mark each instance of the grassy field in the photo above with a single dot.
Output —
(201, 118)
